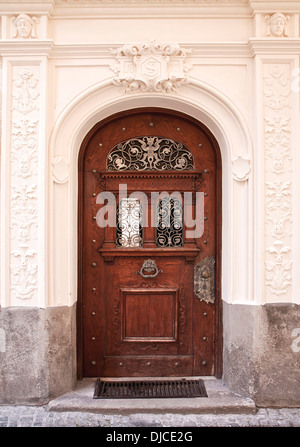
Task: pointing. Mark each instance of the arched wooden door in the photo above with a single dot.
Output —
(149, 301)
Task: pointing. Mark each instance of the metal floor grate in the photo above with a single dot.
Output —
(133, 389)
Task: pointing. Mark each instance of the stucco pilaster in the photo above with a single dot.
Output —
(23, 163)
(276, 158)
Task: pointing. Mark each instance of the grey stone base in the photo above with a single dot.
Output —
(262, 352)
(261, 355)
(37, 354)
(219, 400)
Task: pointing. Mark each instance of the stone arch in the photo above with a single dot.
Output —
(198, 100)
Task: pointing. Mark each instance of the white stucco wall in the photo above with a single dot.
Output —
(58, 83)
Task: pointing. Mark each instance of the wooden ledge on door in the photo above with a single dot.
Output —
(110, 253)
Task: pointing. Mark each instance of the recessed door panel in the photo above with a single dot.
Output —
(149, 316)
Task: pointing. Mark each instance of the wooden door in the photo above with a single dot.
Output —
(148, 285)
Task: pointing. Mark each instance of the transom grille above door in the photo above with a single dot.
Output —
(150, 153)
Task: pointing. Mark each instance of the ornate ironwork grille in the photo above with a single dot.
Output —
(150, 153)
(143, 154)
(169, 231)
(129, 223)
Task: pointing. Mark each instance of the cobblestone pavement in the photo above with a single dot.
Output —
(25, 416)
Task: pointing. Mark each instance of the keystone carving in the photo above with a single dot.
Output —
(150, 66)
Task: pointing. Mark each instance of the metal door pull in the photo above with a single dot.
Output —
(148, 266)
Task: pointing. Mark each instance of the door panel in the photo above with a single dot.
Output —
(149, 316)
(138, 310)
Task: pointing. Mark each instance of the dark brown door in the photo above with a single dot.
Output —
(148, 284)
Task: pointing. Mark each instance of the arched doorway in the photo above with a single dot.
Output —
(149, 301)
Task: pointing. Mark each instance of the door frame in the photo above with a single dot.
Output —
(218, 357)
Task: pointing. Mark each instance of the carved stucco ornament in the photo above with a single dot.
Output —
(204, 280)
(241, 167)
(24, 26)
(150, 66)
(60, 169)
(277, 25)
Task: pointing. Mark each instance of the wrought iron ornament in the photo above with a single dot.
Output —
(169, 231)
(129, 223)
(149, 266)
(150, 153)
(204, 280)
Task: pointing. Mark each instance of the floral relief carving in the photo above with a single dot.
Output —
(279, 270)
(278, 196)
(25, 92)
(24, 199)
(24, 148)
(24, 274)
(24, 133)
(150, 66)
(278, 185)
(24, 188)
(277, 90)
(24, 163)
(24, 231)
(279, 208)
(277, 139)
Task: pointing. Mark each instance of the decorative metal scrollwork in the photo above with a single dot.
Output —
(204, 280)
(129, 223)
(149, 266)
(169, 231)
(150, 153)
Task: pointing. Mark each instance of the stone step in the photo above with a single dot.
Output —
(220, 400)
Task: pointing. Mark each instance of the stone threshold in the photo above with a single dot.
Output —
(220, 400)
